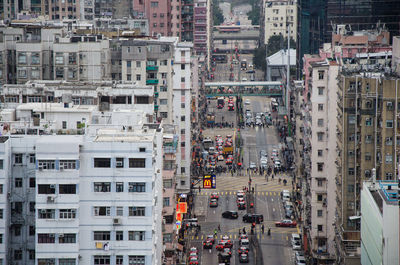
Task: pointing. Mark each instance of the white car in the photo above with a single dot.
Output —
(244, 79)
(253, 165)
(247, 102)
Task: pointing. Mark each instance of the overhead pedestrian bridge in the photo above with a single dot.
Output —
(264, 88)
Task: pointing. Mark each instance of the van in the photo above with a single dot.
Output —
(191, 222)
(253, 218)
(295, 237)
(296, 241)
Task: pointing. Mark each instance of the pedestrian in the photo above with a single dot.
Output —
(240, 232)
(219, 227)
(215, 232)
(262, 229)
(244, 230)
(199, 189)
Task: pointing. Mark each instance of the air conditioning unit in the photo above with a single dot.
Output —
(389, 105)
(51, 235)
(120, 164)
(40, 168)
(61, 168)
(50, 199)
(117, 221)
(52, 186)
(60, 235)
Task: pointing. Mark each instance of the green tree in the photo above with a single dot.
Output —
(254, 16)
(259, 58)
(277, 43)
(218, 17)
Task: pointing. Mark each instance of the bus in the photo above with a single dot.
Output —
(243, 64)
(220, 103)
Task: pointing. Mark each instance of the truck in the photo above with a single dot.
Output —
(210, 119)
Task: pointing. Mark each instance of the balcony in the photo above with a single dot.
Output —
(151, 81)
(170, 144)
(151, 68)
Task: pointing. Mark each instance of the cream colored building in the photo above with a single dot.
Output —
(279, 15)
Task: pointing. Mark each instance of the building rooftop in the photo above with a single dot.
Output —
(56, 107)
(115, 135)
(280, 58)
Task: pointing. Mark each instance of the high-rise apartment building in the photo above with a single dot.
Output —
(367, 140)
(280, 15)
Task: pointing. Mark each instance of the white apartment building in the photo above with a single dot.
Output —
(319, 128)
(379, 223)
(93, 199)
(279, 16)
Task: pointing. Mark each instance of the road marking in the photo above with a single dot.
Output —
(287, 237)
(202, 237)
(272, 199)
(230, 236)
(273, 209)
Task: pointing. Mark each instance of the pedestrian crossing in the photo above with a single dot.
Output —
(275, 233)
(233, 192)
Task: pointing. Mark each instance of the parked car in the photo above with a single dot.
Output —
(230, 215)
(213, 203)
(286, 223)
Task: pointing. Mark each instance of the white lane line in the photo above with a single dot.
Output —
(273, 209)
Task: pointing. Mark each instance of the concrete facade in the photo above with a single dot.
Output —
(279, 15)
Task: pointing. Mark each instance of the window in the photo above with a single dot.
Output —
(67, 164)
(320, 166)
(67, 189)
(32, 182)
(320, 122)
(101, 235)
(368, 139)
(47, 164)
(320, 228)
(35, 58)
(183, 118)
(22, 73)
(321, 75)
(138, 78)
(368, 122)
(389, 123)
(22, 58)
(183, 131)
(166, 202)
(167, 183)
(31, 230)
(154, 4)
(59, 58)
(67, 239)
(137, 260)
(182, 66)
(137, 187)
(350, 188)
(35, 73)
(182, 79)
(32, 207)
(182, 144)
(368, 156)
(129, 77)
(119, 236)
(102, 211)
(319, 197)
(136, 235)
(163, 89)
(389, 175)
(47, 213)
(320, 152)
(142, 99)
(101, 260)
(128, 64)
(119, 162)
(167, 238)
(182, 105)
(320, 136)
(46, 189)
(320, 182)
(32, 158)
(163, 101)
(389, 141)
(119, 211)
(17, 254)
(320, 91)
(17, 230)
(18, 182)
(388, 159)
(137, 211)
(67, 213)
(1, 214)
(18, 158)
(102, 186)
(102, 162)
(46, 238)
(119, 187)
(319, 213)
(72, 58)
(137, 162)
(31, 255)
(46, 262)
(164, 115)
(351, 171)
(66, 262)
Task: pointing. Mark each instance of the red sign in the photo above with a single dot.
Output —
(181, 207)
